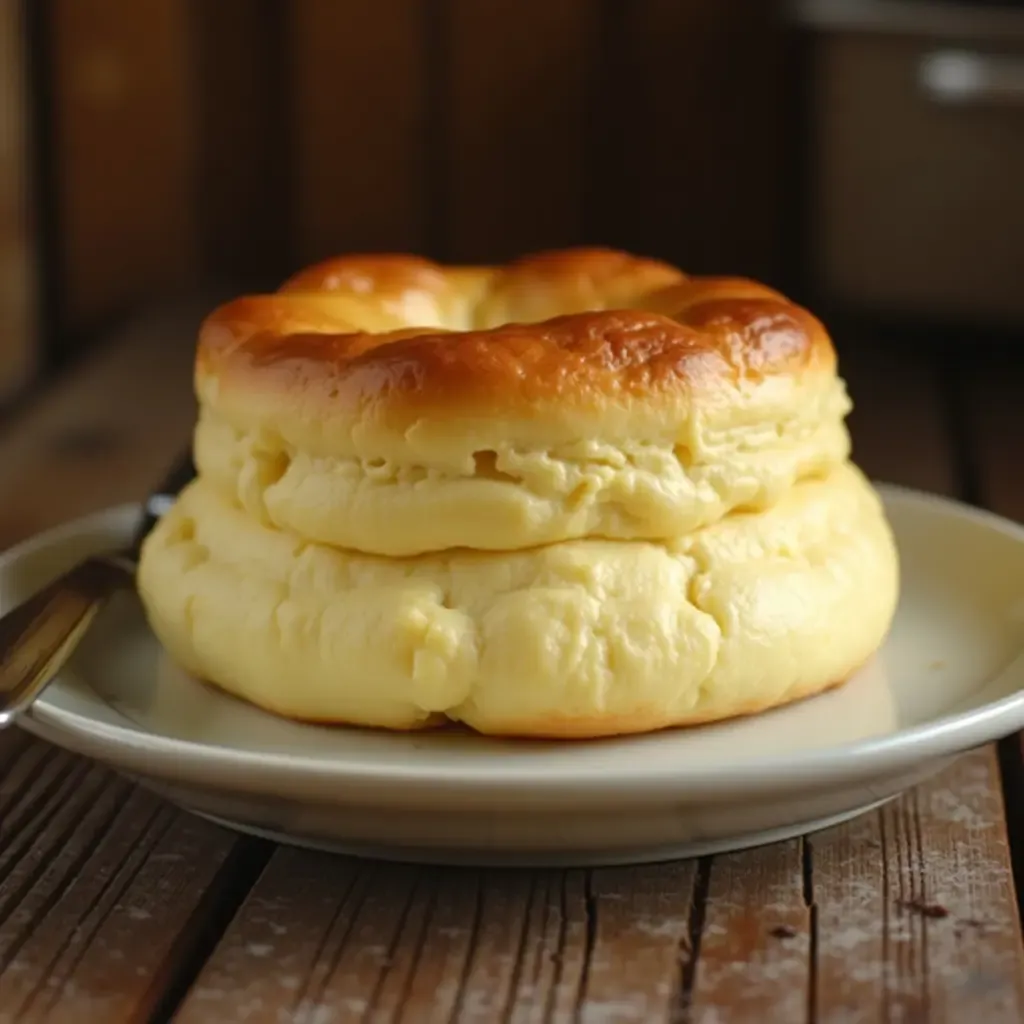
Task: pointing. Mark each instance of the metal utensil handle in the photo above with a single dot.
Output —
(38, 637)
(962, 78)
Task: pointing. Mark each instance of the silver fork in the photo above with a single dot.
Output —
(39, 636)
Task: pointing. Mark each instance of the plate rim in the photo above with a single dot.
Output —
(942, 736)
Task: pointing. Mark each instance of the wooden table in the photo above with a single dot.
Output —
(116, 907)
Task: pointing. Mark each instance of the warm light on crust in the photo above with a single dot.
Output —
(337, 409)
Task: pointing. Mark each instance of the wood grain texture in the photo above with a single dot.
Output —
(641, 942)
(915, 907)
(125, 147)
(516, 112)
(106, 433)
(101, 889)
(359, 126)
(754, 958)
(321, 936)
(19, 344)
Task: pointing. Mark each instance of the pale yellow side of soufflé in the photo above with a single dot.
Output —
(585, 638)
(507, 498)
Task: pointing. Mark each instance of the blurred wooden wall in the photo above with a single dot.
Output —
(197, 142)
(18, 252)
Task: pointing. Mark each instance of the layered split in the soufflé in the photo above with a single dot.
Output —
(582, 495)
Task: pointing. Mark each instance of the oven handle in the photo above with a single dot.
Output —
(963, 78)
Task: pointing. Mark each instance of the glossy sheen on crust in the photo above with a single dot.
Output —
(580, 639)
(389, 339)
(387, 404)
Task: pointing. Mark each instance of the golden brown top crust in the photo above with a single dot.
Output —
(578, 327)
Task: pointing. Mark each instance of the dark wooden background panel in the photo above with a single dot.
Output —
(200, 143)
(995, 424)
(911, 443)
(242, 191)
(514, 119)
(360, 126)
(692, 149)
(18, 352)
(125, 150)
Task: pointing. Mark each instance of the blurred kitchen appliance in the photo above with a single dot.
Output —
(916, 158)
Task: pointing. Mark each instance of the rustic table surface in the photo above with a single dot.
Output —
(116, 907)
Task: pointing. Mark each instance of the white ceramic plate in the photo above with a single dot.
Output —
(949, 678)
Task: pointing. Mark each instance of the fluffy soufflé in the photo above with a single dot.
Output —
(580, 495)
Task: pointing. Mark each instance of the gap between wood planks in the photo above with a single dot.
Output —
(106, 892)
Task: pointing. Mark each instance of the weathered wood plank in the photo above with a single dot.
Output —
(320, 936)
(286, 936)
(754, 958)
(916, 911)
(101, 887)
(641, 942)
(974, 963)
(850, 909)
